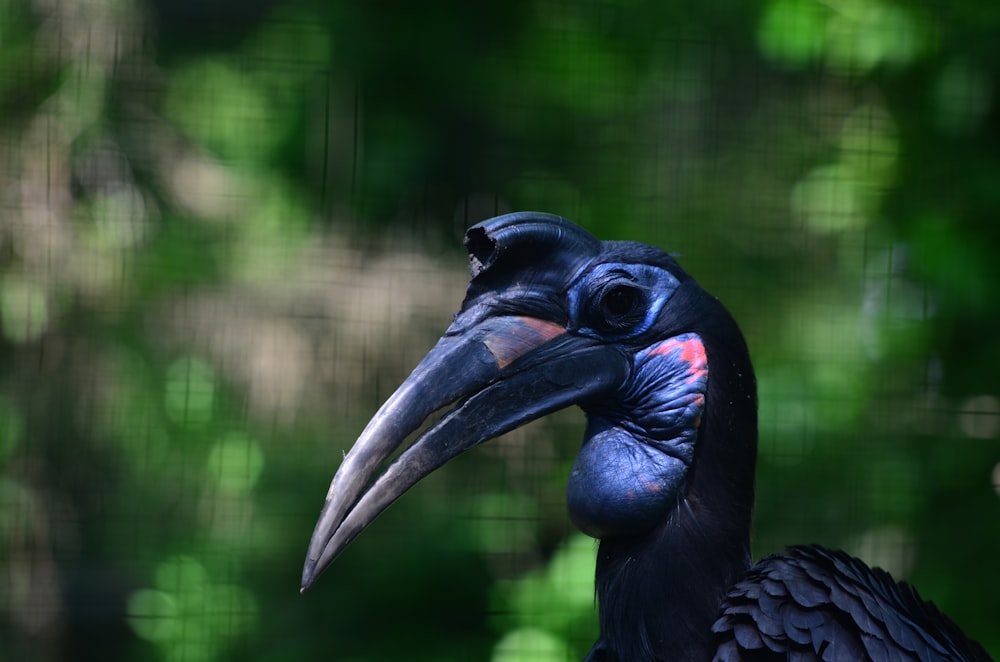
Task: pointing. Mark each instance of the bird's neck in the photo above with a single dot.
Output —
(659, 592)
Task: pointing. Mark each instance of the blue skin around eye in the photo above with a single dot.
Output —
(631, 467)
(658, 284)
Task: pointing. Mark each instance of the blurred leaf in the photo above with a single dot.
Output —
(225, 109)
(24, 309)
(153, 615)
(190, 392)
(793, 32)
(235, 463)
(530, 645)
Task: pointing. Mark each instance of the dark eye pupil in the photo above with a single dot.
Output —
(618, 300)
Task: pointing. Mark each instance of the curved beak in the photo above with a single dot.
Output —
(502, 373)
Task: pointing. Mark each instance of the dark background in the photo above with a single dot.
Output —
(228, 229)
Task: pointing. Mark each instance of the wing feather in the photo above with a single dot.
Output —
(814, 604)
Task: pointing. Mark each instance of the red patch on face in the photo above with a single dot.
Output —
(691, 351)
(519, 335)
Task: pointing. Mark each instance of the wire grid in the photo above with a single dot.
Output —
(221, 254)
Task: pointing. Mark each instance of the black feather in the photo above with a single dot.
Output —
(834, 607)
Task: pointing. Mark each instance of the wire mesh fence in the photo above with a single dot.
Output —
(228, 232)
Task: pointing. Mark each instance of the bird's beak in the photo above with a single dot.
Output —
(503, 372)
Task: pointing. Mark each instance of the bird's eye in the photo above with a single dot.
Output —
(618, 300)
(617, 308)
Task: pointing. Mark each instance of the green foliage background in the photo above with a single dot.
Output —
(228, 229)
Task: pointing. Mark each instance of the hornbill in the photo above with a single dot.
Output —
(665, 476)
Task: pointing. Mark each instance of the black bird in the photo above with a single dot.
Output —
(665, 476)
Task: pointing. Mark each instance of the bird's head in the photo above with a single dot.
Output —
(553, 317)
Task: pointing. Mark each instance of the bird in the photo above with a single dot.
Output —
(664, 478)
